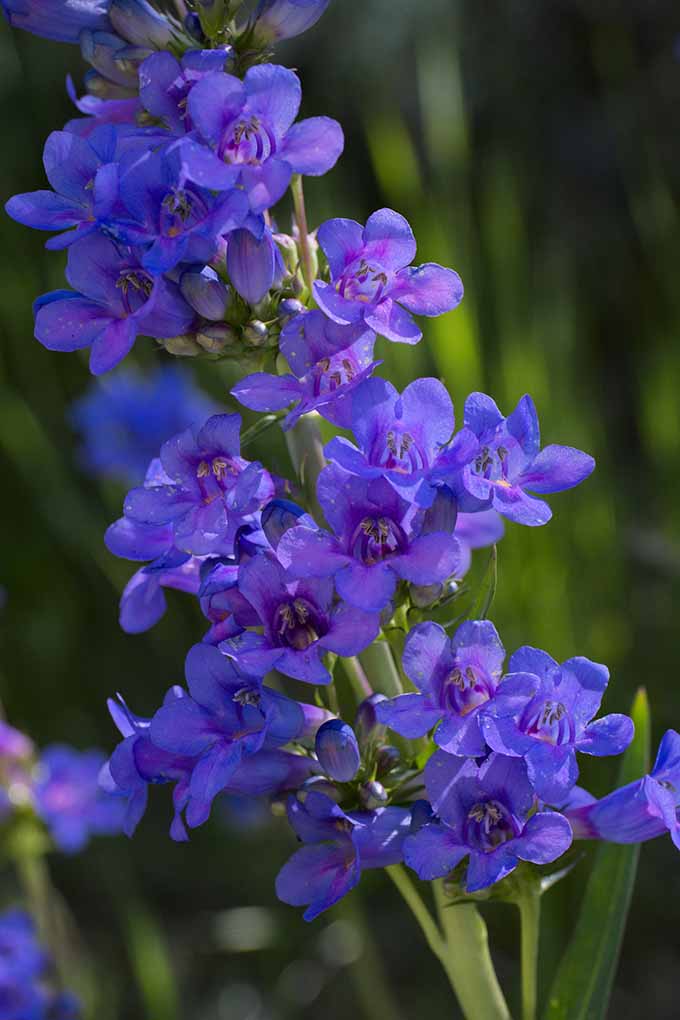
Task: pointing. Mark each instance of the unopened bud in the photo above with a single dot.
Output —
(206, 293)
(289, 252)
(216, 338)
(289, 308)
(278, 517)
(423, 595)
(138, 23)
(387, 758)
(255, 333)
(373, 795)
(182, 346)
(338, 751)
(212, 15)
(366, 726)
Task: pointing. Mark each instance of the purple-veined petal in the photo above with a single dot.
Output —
(392, 321)
(389, 240)
(610, 735)
(428, 289)
(313, 146)
(555, 469)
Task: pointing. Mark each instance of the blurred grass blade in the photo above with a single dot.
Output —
(583, 983)
(151, 963)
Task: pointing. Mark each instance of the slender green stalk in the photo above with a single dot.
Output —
(357, 677)
(419, 910)
(303, 230)
(467, 961)
(529, 904)
(306, 452)
(381, 669)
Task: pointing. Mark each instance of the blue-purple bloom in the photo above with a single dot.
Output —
(202, 488)
(69, 800)
(165, 83)
(542, 712)
(377, 540)
(510, 464)
(338, 750)
(485, 813)
(403, 437)
(637, 812)
(373, 281)
(125, 418)
(24, 991)
(327, 363)
(338, 847)
(115, 299)
(299, 623)
(456, 678)
(246, 135)
(60, 20)
(282, 19)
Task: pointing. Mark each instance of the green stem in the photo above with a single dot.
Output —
(468, 961)
(381, 669)
(357, 678)
(419, 910)
(305, 447)
(529, 904)
(303, 230)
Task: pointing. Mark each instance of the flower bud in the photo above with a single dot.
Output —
(289, 252)
(366, 725)
(216, 338)
(212, 15)
(441, 516)
(387, 758)
(289, 308)
(278, 517)
(102, 50)
(182, 346)
(283, 19)
(139, 23)
(338, 751)
(255, 333)
(319, 784)
(423, 595)
(193, 27)
(373, 795)
(206, 293)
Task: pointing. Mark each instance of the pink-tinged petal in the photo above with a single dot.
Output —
(111, 346)
(430, 559)
(555, 469)
(68, 322)
(341, 241)
(433, 852)
(273, 94)
(313, 146)
(428, 289)
(389, 240)
(213, 102)
(411, 715)
(393, 322)
(368, 588)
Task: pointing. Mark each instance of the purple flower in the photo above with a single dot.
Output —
(373, 281)
(143, 603)
(639, 811)
(125, 418)
(299, 623)
(253, 260)
(228, 718)
(282, 19)
(456, 677)
(69, 800)
(165, 84)
(476, 531)
(203, 488)
(60, 20)
(15, 746)
(139, 23)
(249, 137)
(402, 437)
(328, 362)
(338, 847)
(84, 177)
(510, 463)
(24, 993)
(485, 814)
(115, 299)
(176, 219)
(377, 540)
(542, 712)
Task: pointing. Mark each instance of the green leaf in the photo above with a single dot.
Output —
(583, 983)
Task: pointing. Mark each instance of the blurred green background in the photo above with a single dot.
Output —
(535, 147)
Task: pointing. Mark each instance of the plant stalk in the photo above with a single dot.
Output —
(303, 230)
(305, 447)
(529, 904)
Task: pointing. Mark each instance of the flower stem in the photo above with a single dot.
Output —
(529, 904)
(418, 908)
(303, 230)
(357, 678)
(305, 447)
(467, 960)
(381, 669)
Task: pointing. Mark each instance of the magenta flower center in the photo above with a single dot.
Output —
(363, 281)
(547, 720)
(464, 689)
(249, 142)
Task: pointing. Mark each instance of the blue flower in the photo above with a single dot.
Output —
(125, 418)
(373, 281)
(24, 991)
(115, 299)
(457, 677)
(328, 363)
(282, 19)
(165, 84)
(510, 463)
(248, 136)
(485, 814)
(377, 540)
(542, 712)
(60, 20)
(69, 800)
(339, 846)
(639, 811)
(202, 488)
(402, 437)
(298, 621)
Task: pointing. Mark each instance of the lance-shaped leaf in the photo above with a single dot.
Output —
(583, 983)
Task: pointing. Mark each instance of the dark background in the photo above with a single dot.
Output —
(536, 148)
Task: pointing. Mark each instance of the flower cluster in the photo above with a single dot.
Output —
(25, 994)
(59, 788)
(163, 194)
